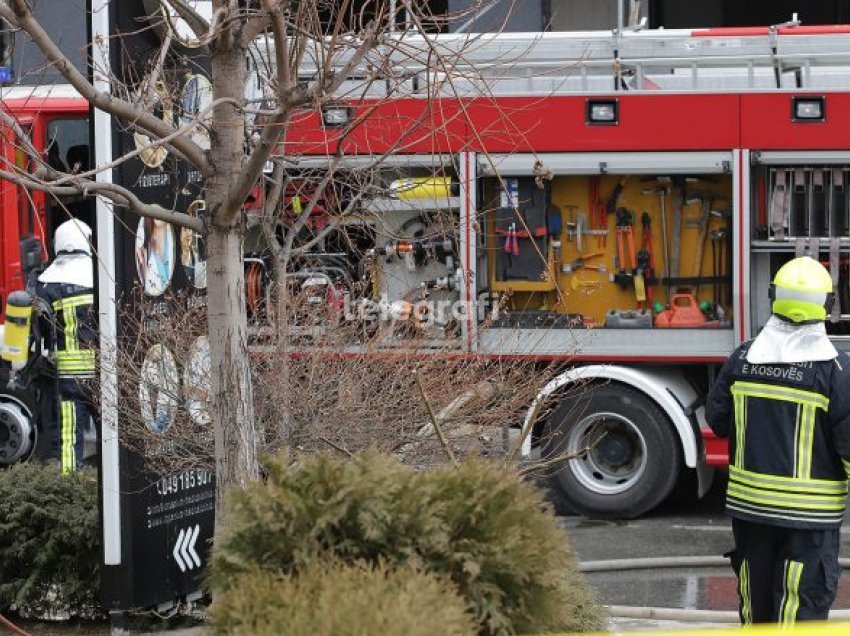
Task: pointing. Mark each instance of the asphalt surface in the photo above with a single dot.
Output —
(677, 528)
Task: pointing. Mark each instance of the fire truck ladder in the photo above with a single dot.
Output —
(785, 57)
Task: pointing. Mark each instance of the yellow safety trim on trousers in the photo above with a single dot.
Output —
(846, 467)
(68, 436)
(791, 596)
(63, 438)
(744, 590)
(833, 503)
(740, 428)
(793, 484)
(773, 392)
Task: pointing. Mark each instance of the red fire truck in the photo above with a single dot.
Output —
(626, 197)
(622, 198)
(54, 120)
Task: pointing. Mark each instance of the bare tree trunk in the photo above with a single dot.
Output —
(232, 391)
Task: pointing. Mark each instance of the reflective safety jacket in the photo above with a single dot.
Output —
(74, 351)
(789, 439)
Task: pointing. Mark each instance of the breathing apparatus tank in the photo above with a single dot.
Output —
(18, 431)
(17, 329)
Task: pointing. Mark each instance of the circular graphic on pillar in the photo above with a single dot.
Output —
(196, 382)
(157, 101)
(193, 255)
(154, 255)
(194, 100)
(159, 389)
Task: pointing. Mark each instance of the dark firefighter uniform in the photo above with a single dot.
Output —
(75, 359)
(67, 287)
(789, 443)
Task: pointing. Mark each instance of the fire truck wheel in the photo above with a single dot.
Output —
(19, 433)
(626, 456)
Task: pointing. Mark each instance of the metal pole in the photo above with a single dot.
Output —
(110, 470)
(620, 14)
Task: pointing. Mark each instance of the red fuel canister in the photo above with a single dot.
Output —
(684, 312)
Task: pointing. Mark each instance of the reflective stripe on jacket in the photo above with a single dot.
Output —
(76, 328)
(789, 439)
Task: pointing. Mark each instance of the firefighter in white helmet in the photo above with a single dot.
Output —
(68, 287)
(783, 400)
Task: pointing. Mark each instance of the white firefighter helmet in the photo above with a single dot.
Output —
(72, 237)
(73, 263)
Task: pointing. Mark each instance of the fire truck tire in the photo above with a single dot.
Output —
(20, 436)
(633, 460)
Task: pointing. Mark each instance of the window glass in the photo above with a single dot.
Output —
(68, 144)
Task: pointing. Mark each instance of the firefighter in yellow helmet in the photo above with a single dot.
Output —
(783, 400)
(67, 286)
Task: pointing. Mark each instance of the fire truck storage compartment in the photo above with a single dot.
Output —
(798, 208)
(522, 220)
(412, 272)
(593, 246)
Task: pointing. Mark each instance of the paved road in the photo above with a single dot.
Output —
(691, 528)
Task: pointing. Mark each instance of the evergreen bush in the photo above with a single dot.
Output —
(49, 542)
(491, 534)
(343, 600)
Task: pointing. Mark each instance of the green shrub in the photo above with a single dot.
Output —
(477, 524)
(342, 600)
(508, 554)
(49, 541)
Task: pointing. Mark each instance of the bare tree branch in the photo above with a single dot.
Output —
(434, 421)
(223, 28)
(253, 27)
(147, 94)
(276, 11)
(200, 27)
(117, 194)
